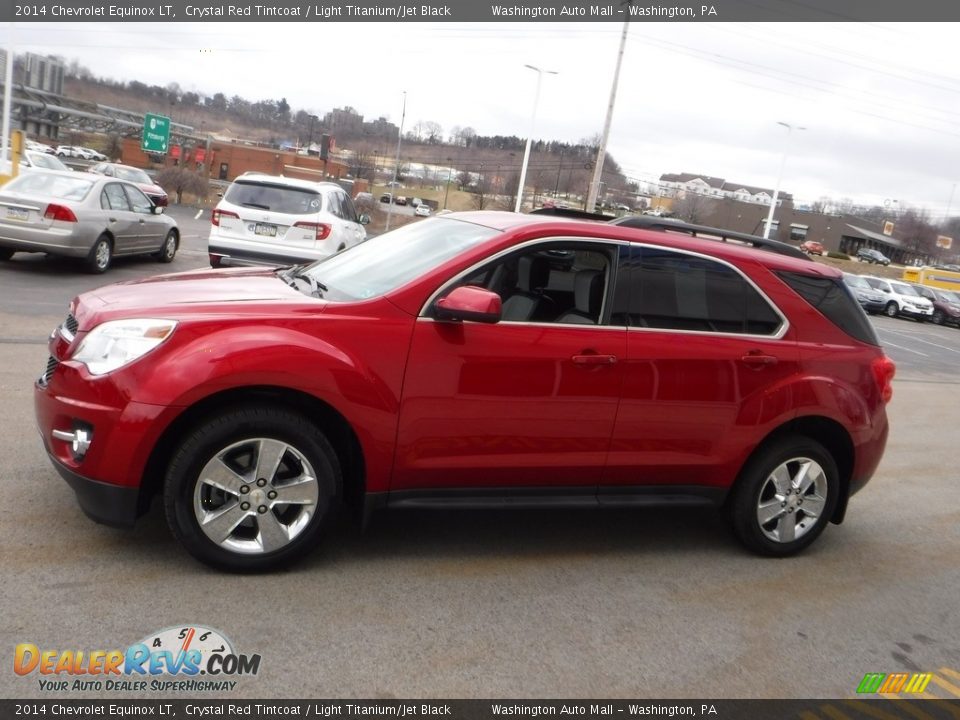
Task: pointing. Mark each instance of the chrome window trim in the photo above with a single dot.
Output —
(507, 251)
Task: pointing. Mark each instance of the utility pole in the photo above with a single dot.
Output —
(602, 150)
(396, 164)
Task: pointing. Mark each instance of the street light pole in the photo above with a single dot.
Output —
(783, 163)
(533, 117)
(602, 150)
(396, 163)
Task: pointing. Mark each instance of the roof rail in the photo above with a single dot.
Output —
(647, 222)
(571, 214)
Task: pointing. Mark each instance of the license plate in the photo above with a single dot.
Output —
(17, 214)
(262, 229)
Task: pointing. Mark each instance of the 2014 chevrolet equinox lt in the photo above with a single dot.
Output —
(476, 359)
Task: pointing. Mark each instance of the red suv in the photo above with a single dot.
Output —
(470, 360)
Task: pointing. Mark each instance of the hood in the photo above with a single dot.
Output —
(151, 189)
(194, 292)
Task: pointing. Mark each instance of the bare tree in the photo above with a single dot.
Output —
(481, 197)
(690, 207)
(179, 180)
(433, 132)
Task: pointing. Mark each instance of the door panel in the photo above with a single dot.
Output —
(506, 405)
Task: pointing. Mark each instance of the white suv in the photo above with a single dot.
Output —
(276, 220)
(901, 299)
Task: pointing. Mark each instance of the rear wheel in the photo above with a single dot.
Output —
(891, 310)
(251, 488)
(785, 496)
(101, 255)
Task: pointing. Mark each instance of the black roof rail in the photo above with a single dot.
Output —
(572, 214)
(647, 222)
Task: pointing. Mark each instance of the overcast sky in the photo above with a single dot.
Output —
(880, 102)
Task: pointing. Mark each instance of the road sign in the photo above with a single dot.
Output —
(156, 134)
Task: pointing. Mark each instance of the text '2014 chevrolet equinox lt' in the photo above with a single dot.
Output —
(471, 360)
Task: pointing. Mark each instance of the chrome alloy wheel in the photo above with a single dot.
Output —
(792, 499)
(255, 496)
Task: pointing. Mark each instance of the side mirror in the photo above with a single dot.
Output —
(364, 219)
(469, 303)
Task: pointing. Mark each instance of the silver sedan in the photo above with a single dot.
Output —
(82, 215)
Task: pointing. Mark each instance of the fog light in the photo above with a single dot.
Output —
(79, 440)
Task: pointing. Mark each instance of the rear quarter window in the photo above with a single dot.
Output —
(835, 302)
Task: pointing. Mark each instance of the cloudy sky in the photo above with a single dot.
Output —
(879, 101)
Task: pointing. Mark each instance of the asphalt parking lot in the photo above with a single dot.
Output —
(639, 603)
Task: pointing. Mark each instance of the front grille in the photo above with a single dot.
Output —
(71, 324)
(52, 363)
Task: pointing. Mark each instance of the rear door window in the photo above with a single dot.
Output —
(678, 291)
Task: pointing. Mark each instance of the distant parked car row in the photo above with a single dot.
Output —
(81, 153)
(902, 299)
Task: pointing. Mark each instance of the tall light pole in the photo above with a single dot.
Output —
(533, 118)
(783, 163)
(396, 163)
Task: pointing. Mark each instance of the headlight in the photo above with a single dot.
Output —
(119, 342)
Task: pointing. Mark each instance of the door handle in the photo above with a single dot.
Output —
(759, 359)
(141, 221)
(112, 219)
(594, 359)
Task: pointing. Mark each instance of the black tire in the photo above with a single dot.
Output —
(235, 430)
(168, 250)
(101, 255)
(937, 317)
(755, 483)
(5, 254)
(891, 310)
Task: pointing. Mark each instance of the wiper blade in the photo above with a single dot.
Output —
(317, 288)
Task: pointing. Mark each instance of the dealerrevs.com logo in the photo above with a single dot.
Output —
(191, 658)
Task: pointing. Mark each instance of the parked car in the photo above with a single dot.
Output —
(812, 247)
(946, 305)
(137, 176)
(73, 151)
(33, 160)
(447, 364)
(401, 200)
(276, 220)
(901, 299)
(872, 301)
(422, 210)
(92, 154)
(872, 256)
(40, 147)
(82, 215)
(386, 198)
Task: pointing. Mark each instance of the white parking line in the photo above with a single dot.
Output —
(199, 213)
(900, 347)
(913, 338)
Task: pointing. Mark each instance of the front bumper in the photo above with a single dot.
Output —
(916, 312)
(108, 504)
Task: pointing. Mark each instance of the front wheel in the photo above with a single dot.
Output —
(785, 496)
(101, 255)
(169, 248)
(251, 488)
(891, 310)
(937, 317)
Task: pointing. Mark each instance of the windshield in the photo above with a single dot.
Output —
(904, 289)
(949, 297)
(857, 282)
(46, 161)
(387, 262)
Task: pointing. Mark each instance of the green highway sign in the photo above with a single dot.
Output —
(156, 134)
